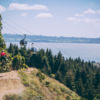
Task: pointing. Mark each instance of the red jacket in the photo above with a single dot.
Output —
(2, 54)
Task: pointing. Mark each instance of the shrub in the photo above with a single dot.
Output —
(18, 62)
(52, 75)
(68, 98)
(97, 97)
(63, 89)
(41, 76)
(5, 63)
(24, 66)
(47, 83)
(12, 97)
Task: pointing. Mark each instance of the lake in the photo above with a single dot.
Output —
(84, 51)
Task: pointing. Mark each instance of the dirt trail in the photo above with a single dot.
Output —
(10, 83)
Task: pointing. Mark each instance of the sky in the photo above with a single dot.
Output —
(70, 18)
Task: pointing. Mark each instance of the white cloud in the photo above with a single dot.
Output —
(83, 17)
(71, 18)
(91, 20)
(98, 11)
(24, 14)
(44, 15)
(86, 20)
(17, 6)
(87, 12)
(79, 15)
(90, 11)
(2, 9)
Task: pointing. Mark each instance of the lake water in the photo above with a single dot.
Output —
(84, 51)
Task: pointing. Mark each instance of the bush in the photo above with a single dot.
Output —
(24, 66)
(63, 89)
(97, 97)
(5, 63)
(41, 76)
(68, 98)
(52, 75)
(12, 97)
(18, 62)
(24, 97)
(47, 83)
(4, 67)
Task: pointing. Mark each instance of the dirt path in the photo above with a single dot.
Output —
(10, 83)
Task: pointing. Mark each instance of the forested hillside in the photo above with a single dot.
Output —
(80, 76)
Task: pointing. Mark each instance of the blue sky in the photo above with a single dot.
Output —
(79, 18)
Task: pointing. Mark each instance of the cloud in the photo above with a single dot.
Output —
(98, 11)
(44, 15)
(2, 9)
(83, 17)
(17, 6)
(90, 11)
(24, 14)
(87, 12)
(86, 20)
(91, 20)
(79, 15)
(71, 18)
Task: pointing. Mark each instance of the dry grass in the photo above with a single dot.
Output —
(48, 88)
(39, 86)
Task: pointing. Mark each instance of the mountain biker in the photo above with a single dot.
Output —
(3, 55)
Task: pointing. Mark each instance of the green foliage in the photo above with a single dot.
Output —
(4, 67)
(68, 98)
(47, 83)
(24, 78)
(24, 66)
(12, 97)
(81, 77)
(18, 62)
(41, 76)
(2, 42)
(13, 50)
(24, 97)
(52, 75)
(5, 63)
(97, 97)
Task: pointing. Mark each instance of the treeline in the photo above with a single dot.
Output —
(81, 77)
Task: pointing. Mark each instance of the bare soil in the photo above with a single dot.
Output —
(10, 83)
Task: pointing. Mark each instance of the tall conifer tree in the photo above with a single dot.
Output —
(2, 42)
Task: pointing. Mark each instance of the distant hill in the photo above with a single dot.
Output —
(53, 39)
(35, 86)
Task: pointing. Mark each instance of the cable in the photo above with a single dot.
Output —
(19, 26)
(13, 25)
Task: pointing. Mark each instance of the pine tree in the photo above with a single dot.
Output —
(2, 42)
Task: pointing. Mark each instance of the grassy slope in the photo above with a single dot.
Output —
(38, 86)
